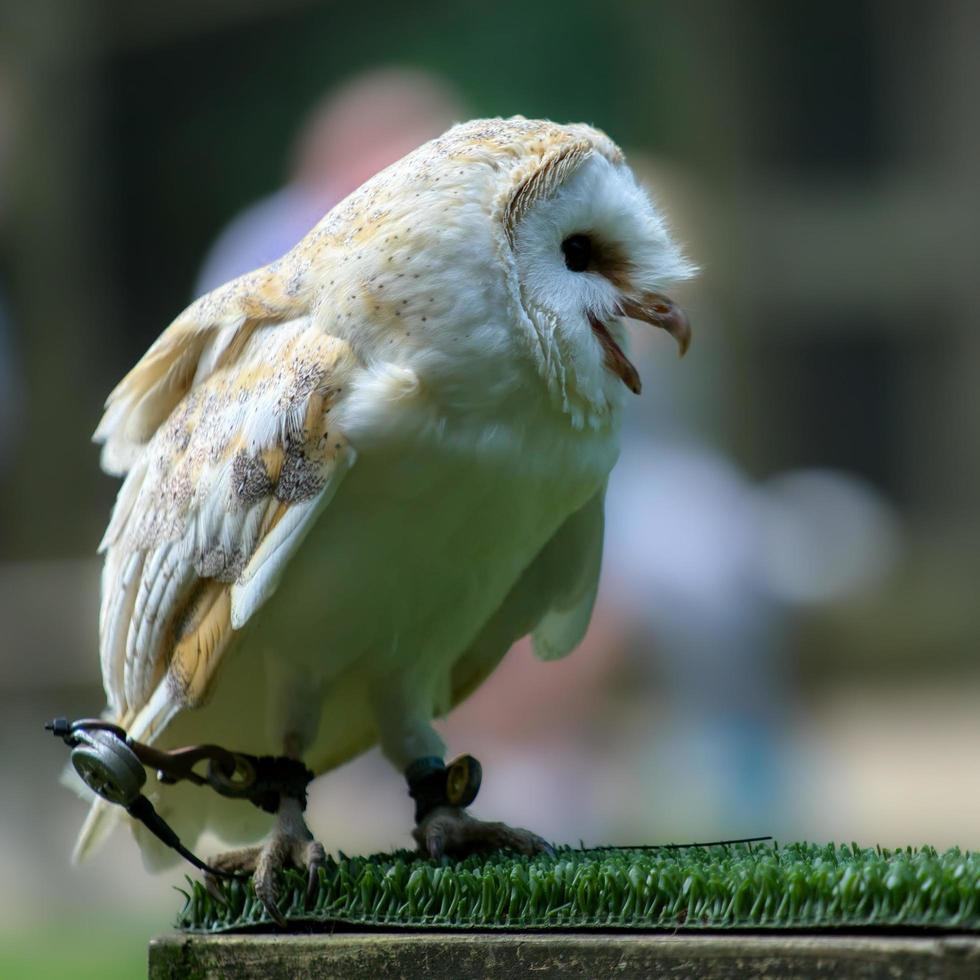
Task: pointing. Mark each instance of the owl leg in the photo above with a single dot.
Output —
(441, 793)
(289, 844)
(443, 826)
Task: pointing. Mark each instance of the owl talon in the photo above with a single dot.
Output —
(451, 830)
(315, 858)
(435, 842)
(289, 845)
(212, 885)
(265, 889)
(243, 860)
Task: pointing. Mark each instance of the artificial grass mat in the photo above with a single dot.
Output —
(727, 886)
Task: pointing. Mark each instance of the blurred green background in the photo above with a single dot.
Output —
(821, 162)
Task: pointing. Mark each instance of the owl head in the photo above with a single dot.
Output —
(499, 231)
(587, 250)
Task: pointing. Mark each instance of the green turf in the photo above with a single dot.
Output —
(734, 886)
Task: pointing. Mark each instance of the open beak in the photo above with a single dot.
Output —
(662, 312)
(616, 360)
(652, 308)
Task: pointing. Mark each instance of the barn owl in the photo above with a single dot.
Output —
(355, 477)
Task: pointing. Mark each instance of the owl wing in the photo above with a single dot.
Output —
(552, 600)
(208, 336)
(225, 430)
(570, 563)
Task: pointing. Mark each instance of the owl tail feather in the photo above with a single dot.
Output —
(102, 818)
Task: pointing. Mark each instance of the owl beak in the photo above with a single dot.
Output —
(615, 359)
(657, 309)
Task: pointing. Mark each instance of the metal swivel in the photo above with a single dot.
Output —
(108, 766)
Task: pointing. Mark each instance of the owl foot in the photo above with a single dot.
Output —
(451, 830)
(289, 845)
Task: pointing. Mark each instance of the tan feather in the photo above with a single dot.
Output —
(226, 320)
(200, 642)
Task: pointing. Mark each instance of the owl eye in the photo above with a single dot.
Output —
(577, 250)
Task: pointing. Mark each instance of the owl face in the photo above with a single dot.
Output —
(590, 250)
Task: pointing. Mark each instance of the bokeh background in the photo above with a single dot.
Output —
(787, 636)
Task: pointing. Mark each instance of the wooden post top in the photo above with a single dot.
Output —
(457, 956)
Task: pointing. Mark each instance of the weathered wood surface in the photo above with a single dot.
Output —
(456, 956)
